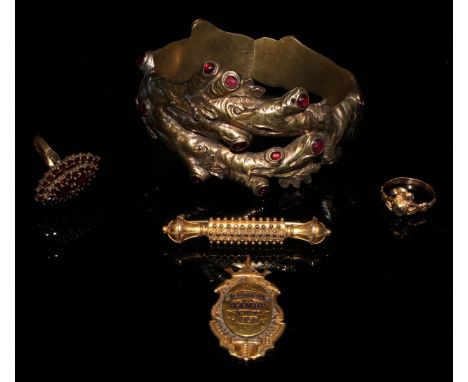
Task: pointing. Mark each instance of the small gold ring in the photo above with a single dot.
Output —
(399, 195)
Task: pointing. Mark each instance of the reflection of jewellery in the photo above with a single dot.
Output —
(402, 228)
(199, 96)
(65, 177)
(246, 318)
(399, 195)
(246, 231)
(65, 228)
(213, 261)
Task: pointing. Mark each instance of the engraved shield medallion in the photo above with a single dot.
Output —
(247, 318)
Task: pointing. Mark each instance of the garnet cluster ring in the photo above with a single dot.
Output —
(66, 177)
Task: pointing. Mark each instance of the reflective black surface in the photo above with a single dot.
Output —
(103, 295)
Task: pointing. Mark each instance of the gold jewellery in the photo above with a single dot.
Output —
(245, 231)
(66, 177)
(247, 318)
(407, 196)
(204, 98)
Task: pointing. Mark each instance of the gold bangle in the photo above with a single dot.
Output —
(203, 97)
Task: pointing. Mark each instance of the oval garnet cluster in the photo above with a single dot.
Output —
(67, 178)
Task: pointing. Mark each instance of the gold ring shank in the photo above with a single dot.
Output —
(50, 157)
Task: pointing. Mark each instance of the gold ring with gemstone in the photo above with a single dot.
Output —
(66, 177)
(401, 195)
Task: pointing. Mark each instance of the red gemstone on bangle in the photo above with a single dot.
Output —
(317, 146)
(231, 81)
(276, 155)
(303, 100)
(263, 191)
(209, 67)
(144, 109)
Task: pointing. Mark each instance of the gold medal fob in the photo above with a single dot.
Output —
(247, 318)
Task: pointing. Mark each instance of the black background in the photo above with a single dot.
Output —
(103, 298)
